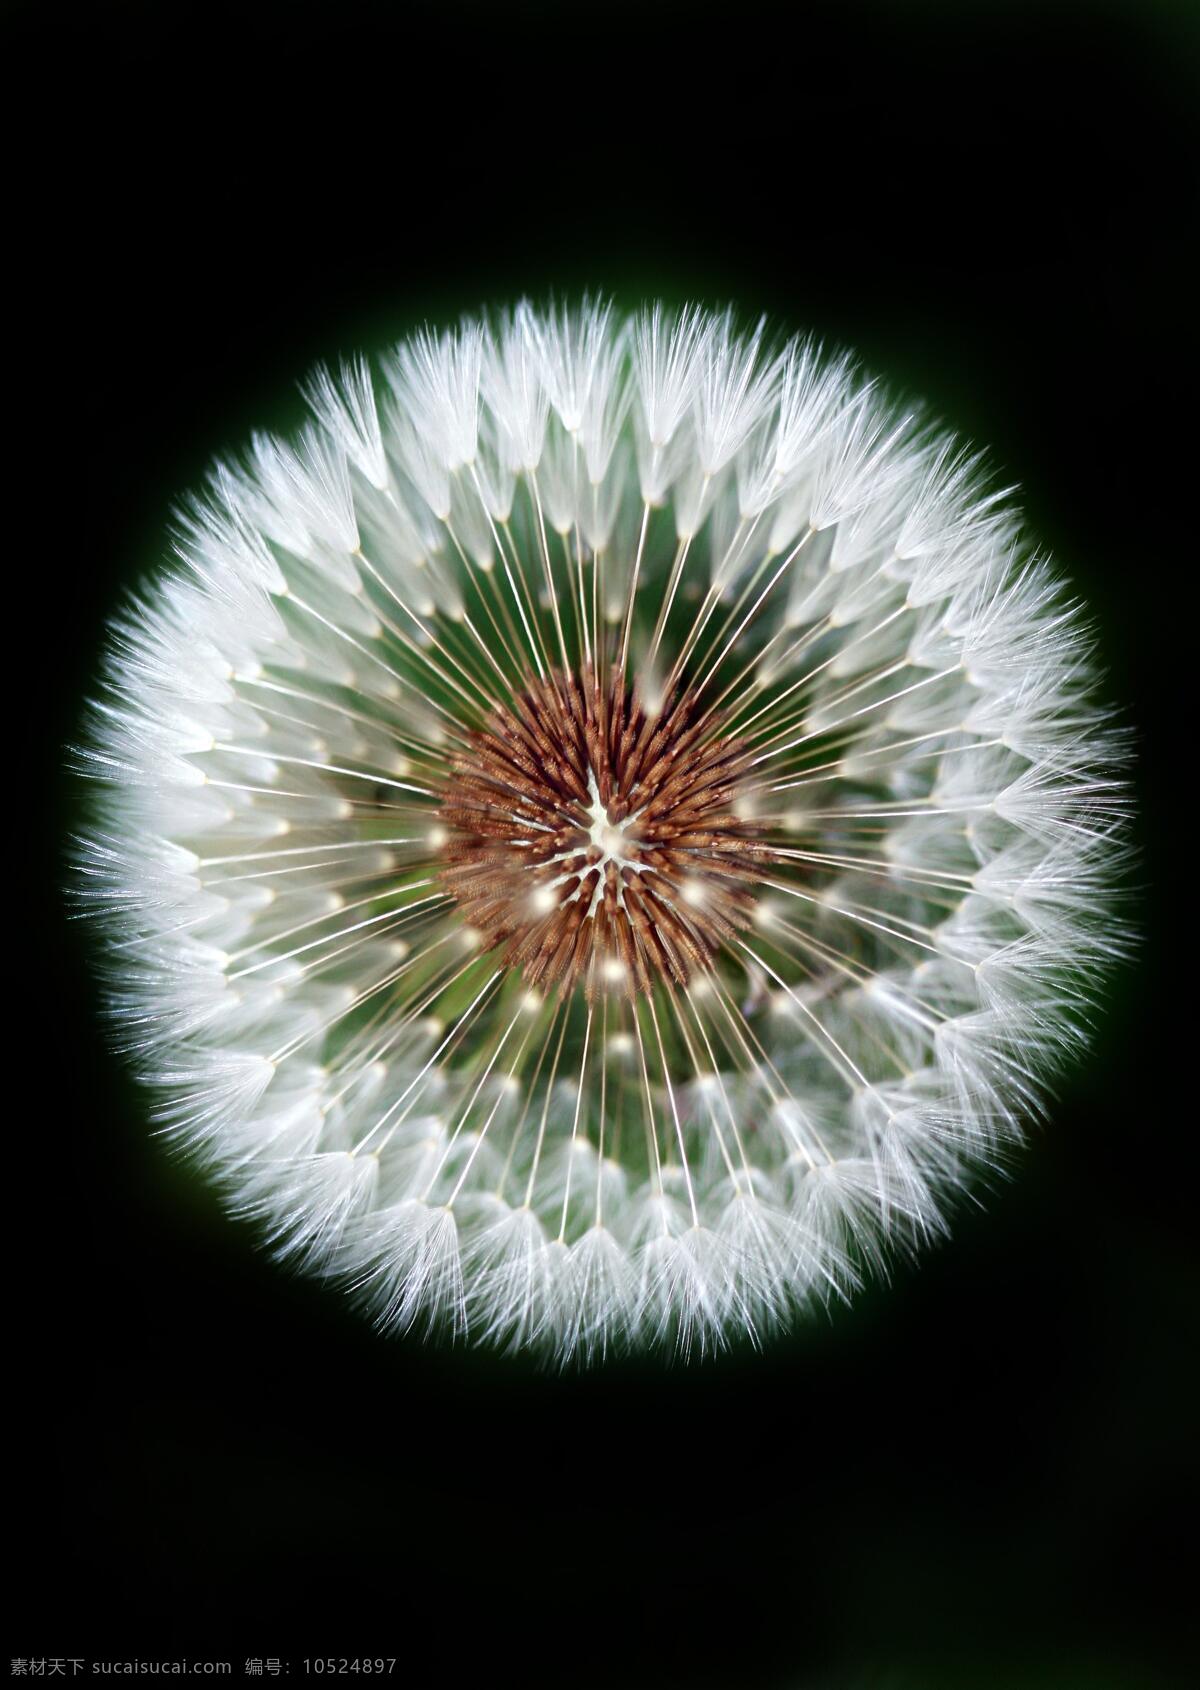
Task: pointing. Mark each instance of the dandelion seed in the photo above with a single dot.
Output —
(606, 836)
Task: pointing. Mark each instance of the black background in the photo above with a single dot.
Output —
(976, 1477)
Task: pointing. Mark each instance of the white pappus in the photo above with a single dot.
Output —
(605, 835)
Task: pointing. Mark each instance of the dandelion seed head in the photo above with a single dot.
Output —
(604, 836)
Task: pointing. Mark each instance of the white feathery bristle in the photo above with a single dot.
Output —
(345, 406)
(512, 388)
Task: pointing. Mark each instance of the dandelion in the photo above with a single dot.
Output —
(605, 835)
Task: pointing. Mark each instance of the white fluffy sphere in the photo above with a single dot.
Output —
(605, 834)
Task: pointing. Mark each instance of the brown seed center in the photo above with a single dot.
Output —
(598, 840)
